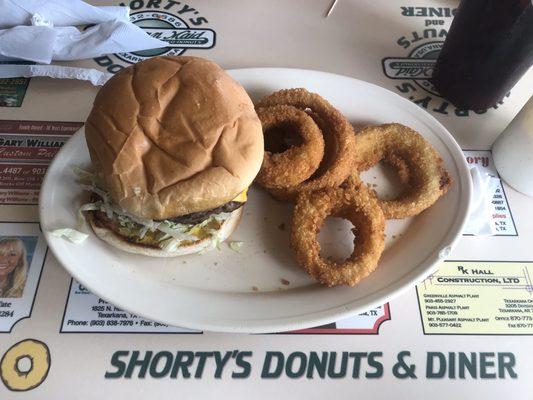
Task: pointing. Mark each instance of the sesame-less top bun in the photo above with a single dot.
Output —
(172, 136)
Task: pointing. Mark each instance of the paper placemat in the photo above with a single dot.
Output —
(467, 330)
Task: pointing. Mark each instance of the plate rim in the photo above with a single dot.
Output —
(383, 295)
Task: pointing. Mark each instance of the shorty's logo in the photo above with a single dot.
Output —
(171, 29)
(424, 48)
(412, 70)
(176, 23)
(417, 66)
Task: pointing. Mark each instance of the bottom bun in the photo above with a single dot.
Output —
(115, 240)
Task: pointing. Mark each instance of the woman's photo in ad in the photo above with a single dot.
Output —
(13, 267)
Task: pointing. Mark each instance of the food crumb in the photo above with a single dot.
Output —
(215, 263)
(236, 245)
(285, 281)
(255, 288)
(282, 226)
(184, 262)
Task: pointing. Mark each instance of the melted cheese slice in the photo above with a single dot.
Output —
(242, 197)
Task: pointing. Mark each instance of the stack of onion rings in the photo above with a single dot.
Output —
(332, 185)
(338, 136)
(297, 163)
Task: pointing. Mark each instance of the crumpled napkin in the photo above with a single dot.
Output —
(57, 13)
(45, 30)
(97, 78)
(480, 221)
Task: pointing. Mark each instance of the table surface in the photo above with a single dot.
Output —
(446, 337)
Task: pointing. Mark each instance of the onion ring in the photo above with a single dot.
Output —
(296, 164)
(338, 136)
(353, 202)
(418, 164)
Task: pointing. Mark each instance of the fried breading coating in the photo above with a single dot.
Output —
(353, 202)
(297, 163)
(419, 165)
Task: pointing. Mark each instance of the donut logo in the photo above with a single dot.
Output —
(176, 23)
(25, 365)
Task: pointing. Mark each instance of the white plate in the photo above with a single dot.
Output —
(214, 291)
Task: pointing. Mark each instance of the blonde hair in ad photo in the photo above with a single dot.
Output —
(11, 247)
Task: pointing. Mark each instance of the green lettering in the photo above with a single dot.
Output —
(356, 370)
(270, 355)
(377, 365)
(116, 362)
(484, 364)
(403, 42)
(198, 21)
(136, 4)
(451, 365)
(183, 361)
(153, 3)
(343, 365)
(185, 9)
(136, 362)
(406, 87)
(242, 363)
(408, 11)
(202, 357)
(167, 358)
(103, 62)
(318, 364)
(423, 102)
(431, 373)
(442, 109)
(469, 364)
(221, 362)
(506, 361)
(302, 364)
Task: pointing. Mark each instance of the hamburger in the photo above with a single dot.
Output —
(175, 143)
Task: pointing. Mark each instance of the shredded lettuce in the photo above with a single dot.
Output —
(73, 235)
(82, 174)
(207, 229)
(236, 245)
(213, 244)
(85, 177)
(87, 207)
(167, 234)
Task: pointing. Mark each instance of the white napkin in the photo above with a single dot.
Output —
(35, 43)
(53, 36)
(57, 13)
(97, 78)
(480, 221)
